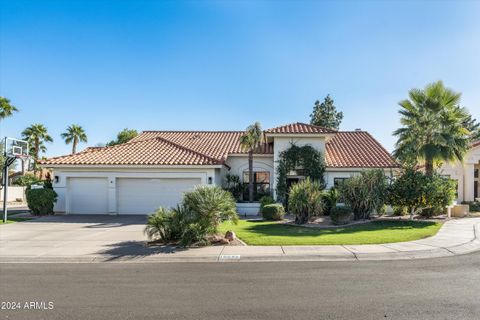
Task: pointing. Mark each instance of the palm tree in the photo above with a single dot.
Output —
(249, 141)
(6, 108)
(74, 135)
(36, 135)
(432, 127)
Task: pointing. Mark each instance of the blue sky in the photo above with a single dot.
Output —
(222, 65)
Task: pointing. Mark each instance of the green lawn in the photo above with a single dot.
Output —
(13, 219)
(264, 233)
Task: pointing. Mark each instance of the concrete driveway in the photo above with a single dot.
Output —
(73, 236)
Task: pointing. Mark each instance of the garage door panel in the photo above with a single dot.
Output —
(143, 196)
(88, 195)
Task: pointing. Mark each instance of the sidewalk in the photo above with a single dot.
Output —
(454, 238)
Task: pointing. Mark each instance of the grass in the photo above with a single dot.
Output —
(265, 233)
(13, 219)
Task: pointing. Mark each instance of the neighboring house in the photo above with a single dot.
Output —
(157, 167)
(466, 173)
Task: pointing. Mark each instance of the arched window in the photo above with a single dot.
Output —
(261, 184)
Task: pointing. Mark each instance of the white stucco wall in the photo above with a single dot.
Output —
(112, 174)
(239, 163)
(464, 173)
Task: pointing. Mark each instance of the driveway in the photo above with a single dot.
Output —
(73, 236)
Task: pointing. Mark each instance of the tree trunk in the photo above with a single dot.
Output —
(412, 212)
(429, 167)
(35, 156)
(23, 166)
(74, 146)
(250, 176)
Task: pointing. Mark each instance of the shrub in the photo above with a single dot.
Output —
(400, 211)
(330, 199)
(365, 192)
(341, 215)
(473, 205)
(266, 200)
(205, 208)
(273, 211)
(165, 224)
(305, 200)
(422, 194)
(41, 201)
(26, 180)
(234, 186)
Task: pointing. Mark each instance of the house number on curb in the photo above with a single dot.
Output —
(230, 257)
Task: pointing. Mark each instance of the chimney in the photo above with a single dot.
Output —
(358, 129)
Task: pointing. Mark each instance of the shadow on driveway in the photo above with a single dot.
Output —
(94, 221)
(130, 250)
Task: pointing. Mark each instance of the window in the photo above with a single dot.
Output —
(261, 184)
(475, 173)
(338, 182)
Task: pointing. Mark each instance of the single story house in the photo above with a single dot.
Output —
(466, 173)
(156, 167)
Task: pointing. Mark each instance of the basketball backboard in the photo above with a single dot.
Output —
(15, 148)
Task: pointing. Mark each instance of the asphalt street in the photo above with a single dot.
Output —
(443, 288)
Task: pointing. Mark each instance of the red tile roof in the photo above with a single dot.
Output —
(476, 144)
(299, 128)
(357, 149)
(344, 150)
(153, 151)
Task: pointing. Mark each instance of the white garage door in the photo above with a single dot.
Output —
(143, 196)
(87, 195)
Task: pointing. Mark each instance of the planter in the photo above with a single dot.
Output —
(248, 208)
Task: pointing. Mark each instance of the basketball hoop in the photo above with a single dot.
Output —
(13, 149)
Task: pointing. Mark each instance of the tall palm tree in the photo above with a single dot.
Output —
(432, 127)
(36, 135)
(74, 135)
(6, 108)
(249, 141)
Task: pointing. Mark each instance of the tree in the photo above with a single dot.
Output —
(36, 135)
(74, 135)
(325, 114)
(6, 108)
(249, 141)
(433, 127)
(473, 126)
(418, 191)
(124, 136)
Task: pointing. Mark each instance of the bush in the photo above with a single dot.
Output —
(420, 193)
(341, 215)
(273, 211)
(27, 180)
(41, 201)
(305, 200)
(399, 211)
(234, 186)
(365, 193)
(266, 200)
(165, 225)
(330, 199)
(473, 205)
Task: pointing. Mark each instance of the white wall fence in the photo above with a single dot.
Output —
(14, 194)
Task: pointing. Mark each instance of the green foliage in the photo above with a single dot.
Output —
(418, 191)
(74, 134)
(266, 200)
(124, 136)
(365, 192)
(36, 135)
(233, 185)
(249, 142)
(41, 201)
(325, 114)
(473, 126)
(474, 206)
(399, 211)
(165, 225)
(305, 200)
(306, 157)
(199, 216)
(330, 198)
(26, 180)
(6, 108)
(433, 127)
(274, 211)
(341, 215)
